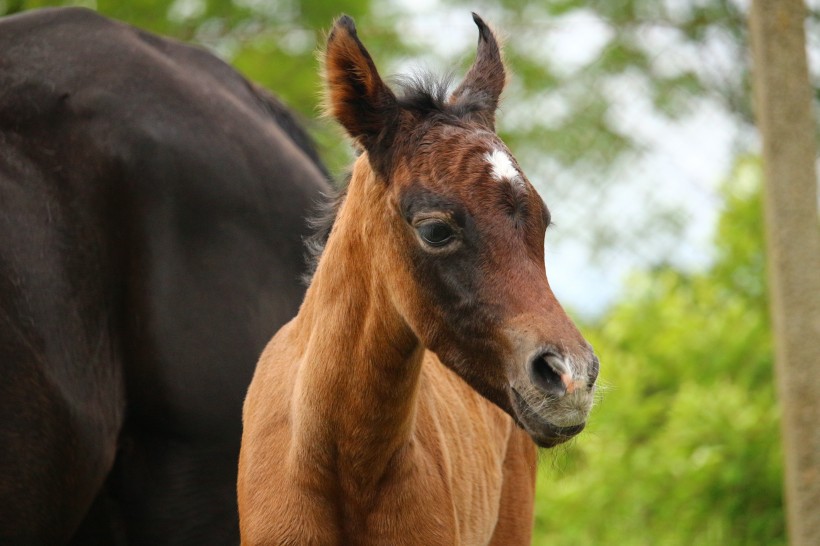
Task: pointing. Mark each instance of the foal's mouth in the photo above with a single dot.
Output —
(543, 433)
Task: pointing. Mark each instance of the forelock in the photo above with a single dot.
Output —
(429, 95)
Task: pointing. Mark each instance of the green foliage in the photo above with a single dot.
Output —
(684, 447)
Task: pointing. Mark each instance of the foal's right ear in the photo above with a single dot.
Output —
(356, 95)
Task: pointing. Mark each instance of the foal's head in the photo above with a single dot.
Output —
(460, 232)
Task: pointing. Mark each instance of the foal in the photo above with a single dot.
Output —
(403, 404)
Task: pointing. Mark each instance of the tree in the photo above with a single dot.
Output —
(793, 235)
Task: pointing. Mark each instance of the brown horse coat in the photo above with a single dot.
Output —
(401, 404)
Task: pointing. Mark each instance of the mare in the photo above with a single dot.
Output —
(404, 402)
(152, 206)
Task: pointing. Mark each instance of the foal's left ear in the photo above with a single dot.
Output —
(483, 84)
(356, 95)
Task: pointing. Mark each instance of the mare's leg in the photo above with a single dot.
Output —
(515, 513)
(103, 524)
(60, 410)
(177, 491)
(61, 391)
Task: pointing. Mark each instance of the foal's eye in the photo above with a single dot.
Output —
(435, 233)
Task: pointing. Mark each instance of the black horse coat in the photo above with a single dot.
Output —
(152, 207)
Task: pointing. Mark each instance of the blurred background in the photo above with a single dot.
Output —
(633, 118)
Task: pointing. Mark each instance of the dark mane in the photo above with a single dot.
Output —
(431, 95)
(424, 92)
(321, 222)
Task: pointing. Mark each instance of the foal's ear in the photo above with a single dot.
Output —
(483, 84)
(356, 95)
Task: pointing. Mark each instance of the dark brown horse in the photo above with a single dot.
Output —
(404, 402)
(151, 225)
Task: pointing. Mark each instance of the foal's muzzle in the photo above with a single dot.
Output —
(553, 398)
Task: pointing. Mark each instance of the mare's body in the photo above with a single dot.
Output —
(403, 404)
(151, 224)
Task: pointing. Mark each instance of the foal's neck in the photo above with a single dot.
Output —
(355, 396)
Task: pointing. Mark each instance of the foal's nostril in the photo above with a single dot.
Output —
(547, 372)
(594, 366)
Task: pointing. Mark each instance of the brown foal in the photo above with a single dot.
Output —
(404, 402)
